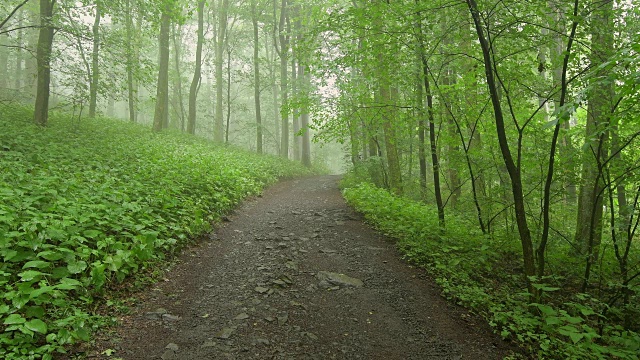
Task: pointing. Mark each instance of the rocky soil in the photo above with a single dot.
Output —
(296, 274)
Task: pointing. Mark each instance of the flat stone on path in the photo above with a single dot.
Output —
(330, 278)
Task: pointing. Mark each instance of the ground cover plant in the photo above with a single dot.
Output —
(85, 204)
(482, 273)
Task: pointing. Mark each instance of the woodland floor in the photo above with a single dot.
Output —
(251, 290)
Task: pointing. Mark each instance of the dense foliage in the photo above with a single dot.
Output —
(88, 203)
(483, 275)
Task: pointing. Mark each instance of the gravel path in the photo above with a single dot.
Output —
(296, 274)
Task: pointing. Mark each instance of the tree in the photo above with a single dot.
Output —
(161, 114)
(513, 170)
(95, 62)
(601, 103)
(282, 49)
(43, 57)
(197, 73)
(223, 8)
(256, 76)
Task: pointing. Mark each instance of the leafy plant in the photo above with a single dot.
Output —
(86, 206)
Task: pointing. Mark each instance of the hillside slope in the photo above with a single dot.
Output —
(87, 203)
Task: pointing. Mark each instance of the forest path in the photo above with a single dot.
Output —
(252, 290)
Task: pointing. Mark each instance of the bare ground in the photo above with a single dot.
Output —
(251, 290)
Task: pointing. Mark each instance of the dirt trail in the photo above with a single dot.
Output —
(252, 291)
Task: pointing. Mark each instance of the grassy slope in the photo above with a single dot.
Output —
(84, 204)
(484, 274)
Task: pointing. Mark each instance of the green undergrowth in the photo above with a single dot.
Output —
(484, 274)
(84, 205)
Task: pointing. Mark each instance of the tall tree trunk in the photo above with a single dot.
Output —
(304, 119)
(18, 51)
(435, 163)
(178, 100)
(218, 131)
(599, 107)
(256, 76)
(30, 73)
(131, 90)
(197, 73)
(226, 136)
(546, 199)
(43, 58)
(557, 57)
(161, 114)
(419, 93)
(283, 52)
(295, 89)
(387, 110)
(448, 79)
(95, 63)
(512, 168)
(4, 64)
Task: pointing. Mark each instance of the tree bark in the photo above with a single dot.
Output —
(283, 52)
(304, 120)
(218, 133)
(512, 169)
(435, 163)
(18, 51)
(197, 73)
(4, 64)
(177, 84)
(131, 91)
(95, 63)
(43, 58)
(256, 77)
(161, 114)
(600, 104)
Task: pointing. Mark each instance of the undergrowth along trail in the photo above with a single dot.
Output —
(87, 203)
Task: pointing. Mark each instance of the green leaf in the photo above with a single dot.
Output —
(36, 325)
(77, 267)
(38, 264)
(92, 233)
(69, 284)
(30, 275)
(14, 319)
(575, 337)
(50, 255)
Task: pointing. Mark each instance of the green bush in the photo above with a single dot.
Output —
(477, 272)
(85, 204)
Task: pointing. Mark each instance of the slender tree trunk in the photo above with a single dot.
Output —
(95, 63)
(218, 133)
(256, 77)
(43, 57)
(197, 73)
(599, 107)
(226, 136)
(421, 129)
(295, 89)
(283, 52)
(177, 85)
(435, 163)
(557, 57)
(161, 114)
(30, 73)
(513, 170)
(18, 51)
(546, 199)
(4, 64)
(304, 120)
(131, 90)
